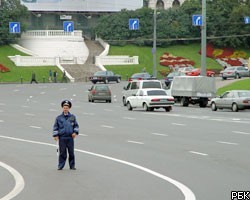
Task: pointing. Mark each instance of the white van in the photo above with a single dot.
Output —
(133, 87)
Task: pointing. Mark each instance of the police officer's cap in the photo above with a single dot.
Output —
(66, 103)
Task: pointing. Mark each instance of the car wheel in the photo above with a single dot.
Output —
(89, 100)
(106, 81)
(124, 101)
(145, 107)
(118, 80)
(129, 106)
(237, 76)
(167, 109)
(184, 101)
(224, 78)
(235, 107)
(213, 106)
(110, 101)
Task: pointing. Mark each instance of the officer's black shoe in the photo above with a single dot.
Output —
(59, 168)
(72, 168)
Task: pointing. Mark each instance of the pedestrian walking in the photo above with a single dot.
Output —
(64, 77)
(50, 75)
(33, 78)
(55, 76)
(65, 130)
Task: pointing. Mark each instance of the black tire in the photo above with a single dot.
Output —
(124, 101)
(167, 109)
(203, 102)
(224, 78)
(129, 106)
(145, 107)
(237, 76)
(235, 107)
(213, 106)
(106, 81)
(184, 102)
(118, 80)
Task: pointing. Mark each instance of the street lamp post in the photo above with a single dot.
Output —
(154, 44)
(203, 39)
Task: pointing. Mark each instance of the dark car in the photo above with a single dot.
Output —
(171, 76)
(99, 92)
(141, 76)
(105, 77)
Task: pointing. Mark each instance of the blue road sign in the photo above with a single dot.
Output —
(14, 27)
(247, 20)
(197, 20)
(68, 26)
(133, 24)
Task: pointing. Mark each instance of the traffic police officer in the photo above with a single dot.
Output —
(65, 130)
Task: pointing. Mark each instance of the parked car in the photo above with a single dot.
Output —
(197, 72)
(135, 85)
(141, 76)
(234, 72)
(186, 69)
(150, 99)
(105, 77)
(171, 76)
(99, 92)
(234, 99)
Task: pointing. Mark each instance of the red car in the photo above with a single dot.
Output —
(197, 72)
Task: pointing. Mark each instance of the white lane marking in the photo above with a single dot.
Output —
(25, 106)
(236, 119)
(29, 114)
(63, 89)
(188, 194)
(1, 110)
(243, 133)
(129, 118)
(108, 110)
(134, 142)
(2, 104)
(105, 126)
(85, 113)
(198, 153)
(43, 93)
(19, 185)
(177, 124)
(16, 90)
(159, 134)
(1, 121)
(84, 135)
(37, 127)
(53, 110)
(230, 143)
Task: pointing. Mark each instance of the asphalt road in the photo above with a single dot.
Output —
(188, 153)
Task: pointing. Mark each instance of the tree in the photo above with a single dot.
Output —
(11, 11)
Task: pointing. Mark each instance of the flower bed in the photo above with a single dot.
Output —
(170, 60)
(3, 68)
(228, 55)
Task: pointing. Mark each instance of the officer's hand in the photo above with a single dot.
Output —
(73, 135)
(56, 138)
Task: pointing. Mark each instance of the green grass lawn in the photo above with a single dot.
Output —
(15, 74)
(239, 85)
(146, 58)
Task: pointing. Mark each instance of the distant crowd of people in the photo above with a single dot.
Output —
(52, 77)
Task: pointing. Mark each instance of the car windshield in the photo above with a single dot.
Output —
(151, 85)
(100, 73)
(146, 75)
(156, 93)
(244, 94)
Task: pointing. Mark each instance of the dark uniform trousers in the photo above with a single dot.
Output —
(64, 144)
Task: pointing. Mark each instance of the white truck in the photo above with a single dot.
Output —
(192, 90)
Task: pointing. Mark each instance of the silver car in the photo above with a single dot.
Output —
(234, 99)
(99, 92)
(235, 72)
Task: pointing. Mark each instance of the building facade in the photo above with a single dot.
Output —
(164, 4)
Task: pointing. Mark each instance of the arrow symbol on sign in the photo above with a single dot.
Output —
(13, 28)
(68, 27)
(133, 25)
(197, 21)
